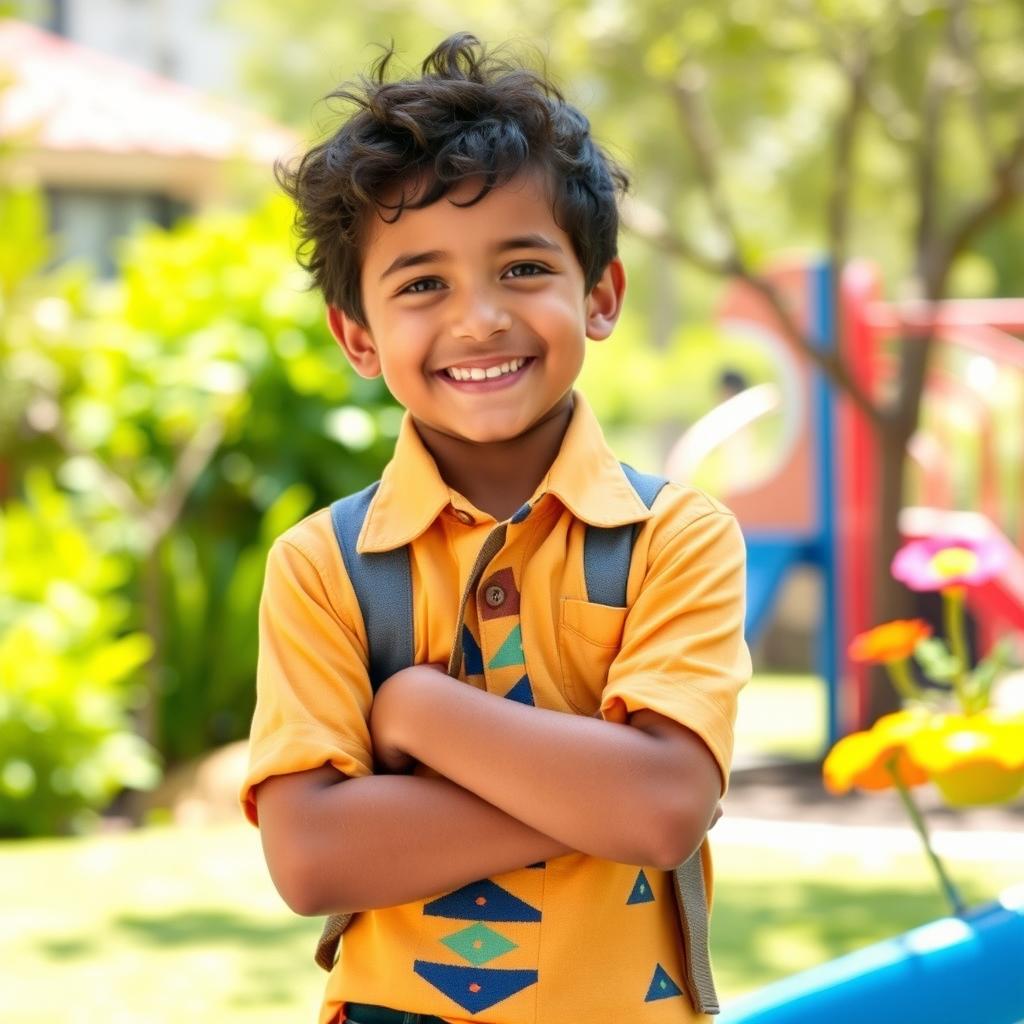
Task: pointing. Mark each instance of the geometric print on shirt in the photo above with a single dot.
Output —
(484, 903)
(476, 987)
(661, 985)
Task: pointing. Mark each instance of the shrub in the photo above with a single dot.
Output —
(68, 670)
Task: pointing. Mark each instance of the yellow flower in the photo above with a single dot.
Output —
(861, 759)
(890, 641)
(972, 759)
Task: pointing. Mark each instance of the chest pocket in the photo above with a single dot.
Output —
(589, 638)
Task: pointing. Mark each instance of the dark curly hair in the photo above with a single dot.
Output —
(471, 114)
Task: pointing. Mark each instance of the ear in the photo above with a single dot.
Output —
(604, 303)
(355, 341)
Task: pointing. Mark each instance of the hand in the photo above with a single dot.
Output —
(388, 721)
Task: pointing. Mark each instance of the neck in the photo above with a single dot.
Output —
(499, 476)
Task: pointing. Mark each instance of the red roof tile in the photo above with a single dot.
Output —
(64, 96)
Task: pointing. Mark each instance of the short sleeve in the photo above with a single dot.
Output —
(683, 651)
(313, 694)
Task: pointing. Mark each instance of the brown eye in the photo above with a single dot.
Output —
(416, 289)
(527, 270)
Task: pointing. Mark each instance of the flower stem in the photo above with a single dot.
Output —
(899, 673)
(948, 886)
(953, 615)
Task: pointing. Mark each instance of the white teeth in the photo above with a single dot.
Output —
(479, 373)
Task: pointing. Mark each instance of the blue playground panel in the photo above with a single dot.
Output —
(771, 555)
(956, 970)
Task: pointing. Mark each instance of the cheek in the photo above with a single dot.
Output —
(404, 365)
(558, 316)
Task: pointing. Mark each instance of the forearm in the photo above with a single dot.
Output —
(385, 840)
(606, 789)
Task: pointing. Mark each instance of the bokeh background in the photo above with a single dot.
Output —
(171, 400)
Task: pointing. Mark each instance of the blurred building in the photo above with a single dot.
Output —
(106, 105)
(178, 39)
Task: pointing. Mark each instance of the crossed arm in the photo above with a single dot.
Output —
(517, 784)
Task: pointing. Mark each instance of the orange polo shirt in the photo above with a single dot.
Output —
(578, 938)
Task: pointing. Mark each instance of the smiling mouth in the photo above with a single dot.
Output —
(480, 373)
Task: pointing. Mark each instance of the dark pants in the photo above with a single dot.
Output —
(365, 1013)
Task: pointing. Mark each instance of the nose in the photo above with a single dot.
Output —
(480, 315)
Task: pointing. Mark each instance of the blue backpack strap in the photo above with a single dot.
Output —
(383, 585)
(382, 582)
(607, 551)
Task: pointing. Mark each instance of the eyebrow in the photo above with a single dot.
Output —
(413, 259)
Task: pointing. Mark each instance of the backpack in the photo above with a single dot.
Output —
(382, 582)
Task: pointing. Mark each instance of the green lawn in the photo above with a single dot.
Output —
(168, 925)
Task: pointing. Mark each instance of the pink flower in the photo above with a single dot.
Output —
(938, 563)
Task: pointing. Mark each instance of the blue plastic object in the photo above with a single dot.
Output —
(769, 559)
(771, 554)
(956, 970)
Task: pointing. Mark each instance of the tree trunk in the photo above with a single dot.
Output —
(891, 600)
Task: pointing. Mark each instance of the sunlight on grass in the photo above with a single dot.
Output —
(158, 925)
(781, 716)
(780, 911)
(166, 925)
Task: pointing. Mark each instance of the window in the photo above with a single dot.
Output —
(87, 224)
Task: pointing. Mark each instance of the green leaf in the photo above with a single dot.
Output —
(935, 659)
(284, 511)
(117, 660)
(987, 671)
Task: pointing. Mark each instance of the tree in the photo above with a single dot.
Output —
(938, 88)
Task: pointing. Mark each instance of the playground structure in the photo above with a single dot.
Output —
(819, 505)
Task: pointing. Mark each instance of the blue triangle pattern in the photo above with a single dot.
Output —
(472, 657)
(662, 986)
(482, 901)
(522, 692)
(641, 891)
(474, 988)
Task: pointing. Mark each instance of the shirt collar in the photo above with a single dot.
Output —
(585, 476)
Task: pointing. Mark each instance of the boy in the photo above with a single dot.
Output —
(505, 837)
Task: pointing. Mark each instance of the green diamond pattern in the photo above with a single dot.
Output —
(478, 944)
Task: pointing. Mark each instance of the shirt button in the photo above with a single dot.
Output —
(464, 517)
(494, 596)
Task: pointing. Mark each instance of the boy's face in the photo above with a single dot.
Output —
(493, 290)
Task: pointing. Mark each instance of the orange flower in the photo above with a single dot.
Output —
(891, 641)
(861, 759)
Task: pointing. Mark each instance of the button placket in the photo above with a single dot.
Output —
(491, 546)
